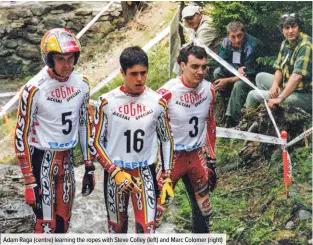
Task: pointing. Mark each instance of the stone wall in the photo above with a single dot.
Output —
(23, 25)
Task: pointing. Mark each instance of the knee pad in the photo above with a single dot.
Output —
(203, 202)
(205, 206)
(45, 226)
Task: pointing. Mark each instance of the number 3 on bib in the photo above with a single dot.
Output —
(194, 133)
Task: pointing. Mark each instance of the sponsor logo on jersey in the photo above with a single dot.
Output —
(162, 129)
(19, 134)
(181, 147)
(191, 98)
(41, 81)
(56, 145)
(22, 160)
(127, 164)
(92, 148)
(21, 121)
(120, 115)
(45, 177)
(63, 92)
(66, 184)
(131, 109)
(82, 119)
(166, 94)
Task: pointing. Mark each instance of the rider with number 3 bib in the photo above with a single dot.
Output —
(190, 101)
(129, 122)
(52, 118)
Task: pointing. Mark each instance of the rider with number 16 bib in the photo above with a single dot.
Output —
(129, 122)
(52, 118)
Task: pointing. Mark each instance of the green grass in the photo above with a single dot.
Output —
(250, 205)
(227, 150)
(184, 210)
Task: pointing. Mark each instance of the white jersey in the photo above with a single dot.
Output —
(188, 110)
(127, 129)
(53, 115)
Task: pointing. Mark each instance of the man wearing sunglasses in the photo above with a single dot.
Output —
(292, 81)
(240, 50)
(190, 101)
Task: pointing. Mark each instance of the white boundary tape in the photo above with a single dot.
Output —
(231, 69)
(10, 103)
(7, 94)
(300, 137)
(105, 81)
(94, 19)
(237, 134)
(13, 100)
(289, 165)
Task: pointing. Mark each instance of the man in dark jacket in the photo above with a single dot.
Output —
(240, 50)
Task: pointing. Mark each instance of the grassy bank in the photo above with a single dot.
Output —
(250, 204)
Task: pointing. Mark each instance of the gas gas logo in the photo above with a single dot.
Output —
(45, 177)
(22, 119)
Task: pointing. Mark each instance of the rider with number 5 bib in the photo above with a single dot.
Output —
(190, 101)
(52, 118)
(130, 122)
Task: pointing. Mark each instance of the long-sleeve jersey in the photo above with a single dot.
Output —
(191, 115)
(52, 115)
(127, 130)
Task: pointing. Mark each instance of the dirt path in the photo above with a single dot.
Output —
(144, 27)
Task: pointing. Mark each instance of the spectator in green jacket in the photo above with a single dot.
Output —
(292, 81)
(240, 50)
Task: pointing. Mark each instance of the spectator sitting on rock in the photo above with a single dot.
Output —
(240, 50)
(292, 81)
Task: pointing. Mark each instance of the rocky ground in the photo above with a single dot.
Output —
(88, 215)
(15, 215)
